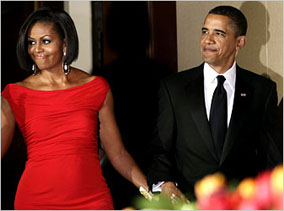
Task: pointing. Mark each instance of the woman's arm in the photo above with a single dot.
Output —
(113, 145)
(7, 126)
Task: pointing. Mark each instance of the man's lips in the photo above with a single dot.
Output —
(209, 49)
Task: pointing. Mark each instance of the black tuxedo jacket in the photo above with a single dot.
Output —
(183, 147)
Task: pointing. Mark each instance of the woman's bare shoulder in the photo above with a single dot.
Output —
(27, 82)
(81, 77)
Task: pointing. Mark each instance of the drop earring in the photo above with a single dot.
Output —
(34, 69)
(66, 67)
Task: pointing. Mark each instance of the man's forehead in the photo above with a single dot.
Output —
(217, 17)
(219, 22)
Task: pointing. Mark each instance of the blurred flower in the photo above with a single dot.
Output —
(246, 188)
(234, 199)
(129, 208)
(277, 180)
(248, 205)
(260, 193)
(210, 184)
(277, 187)
(210, 192)
(263, 190)
(216, 201)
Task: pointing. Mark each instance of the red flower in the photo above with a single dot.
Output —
(216, 201)
(234, 199)
(248, 205)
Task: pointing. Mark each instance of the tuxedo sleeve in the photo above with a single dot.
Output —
(272, 134)
(163, 166)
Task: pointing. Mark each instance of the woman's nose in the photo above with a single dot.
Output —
(38, 48)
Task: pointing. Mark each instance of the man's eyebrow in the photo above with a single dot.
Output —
(219, 30)
(204, 28)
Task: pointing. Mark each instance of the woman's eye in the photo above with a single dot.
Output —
(31, 42)
(46, 41)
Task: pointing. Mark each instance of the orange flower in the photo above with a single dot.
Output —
(277, 180)
(277, 187)
(209, 184)
(246, 188)
(128, 208)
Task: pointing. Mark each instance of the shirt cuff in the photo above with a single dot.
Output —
(157, 187)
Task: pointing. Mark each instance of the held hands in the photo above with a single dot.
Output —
(147, 194)
(170, 191)
(171, 198)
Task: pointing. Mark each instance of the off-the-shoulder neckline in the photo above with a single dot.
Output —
(58, 90)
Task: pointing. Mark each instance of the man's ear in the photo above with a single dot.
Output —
(241, 42)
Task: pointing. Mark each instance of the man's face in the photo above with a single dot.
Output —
(218, 43)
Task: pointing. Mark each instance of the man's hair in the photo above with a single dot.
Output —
(237, 17)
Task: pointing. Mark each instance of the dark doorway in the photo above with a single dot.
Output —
(139, 49)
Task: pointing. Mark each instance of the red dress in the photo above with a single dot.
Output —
(60, 130)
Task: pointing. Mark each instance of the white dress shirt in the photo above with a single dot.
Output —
(210, 84)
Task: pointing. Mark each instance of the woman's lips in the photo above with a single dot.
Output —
(40, 56)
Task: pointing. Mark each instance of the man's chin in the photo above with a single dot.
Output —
(210, 61)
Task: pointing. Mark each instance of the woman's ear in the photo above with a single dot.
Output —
(64, 46)
(242, 40)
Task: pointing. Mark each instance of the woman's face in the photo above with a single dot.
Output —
(45, 46)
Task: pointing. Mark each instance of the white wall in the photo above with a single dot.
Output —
(82, 17)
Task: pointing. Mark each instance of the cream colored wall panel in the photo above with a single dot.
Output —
(275, 44)
(263, 53)
(80, 11)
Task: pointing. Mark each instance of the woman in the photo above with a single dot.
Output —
(57, 109)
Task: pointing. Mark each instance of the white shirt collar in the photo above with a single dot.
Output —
(210, 75)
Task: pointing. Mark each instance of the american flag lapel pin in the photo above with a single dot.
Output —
(243, 94)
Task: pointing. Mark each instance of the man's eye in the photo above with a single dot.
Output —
(220, 34)
(204, 32)
(31, 42)
(46, 41)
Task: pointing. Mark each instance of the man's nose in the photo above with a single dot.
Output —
(209, 38)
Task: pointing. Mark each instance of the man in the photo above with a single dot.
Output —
(201, 130)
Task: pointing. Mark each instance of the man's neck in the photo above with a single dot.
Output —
(221, 69)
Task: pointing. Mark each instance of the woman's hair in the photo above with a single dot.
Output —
(63, 25)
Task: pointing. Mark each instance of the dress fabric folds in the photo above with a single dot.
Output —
(60, 131)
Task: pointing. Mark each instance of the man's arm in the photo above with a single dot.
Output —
(163, 167)
(271, 134)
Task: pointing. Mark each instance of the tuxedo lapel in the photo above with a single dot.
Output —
(243, 94)
(195, 92)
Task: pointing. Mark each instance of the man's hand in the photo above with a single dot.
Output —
(170, 190)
